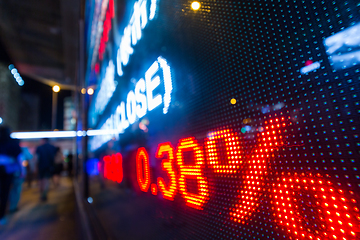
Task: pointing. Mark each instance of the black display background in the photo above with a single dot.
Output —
(251, 51)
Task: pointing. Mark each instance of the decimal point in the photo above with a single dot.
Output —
(154, 189)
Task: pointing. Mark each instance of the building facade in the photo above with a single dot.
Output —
(9, 98)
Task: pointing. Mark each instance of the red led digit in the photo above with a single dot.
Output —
(113, 169)
(143, 169)
(311, 207)
(168, 192)
(195, 172)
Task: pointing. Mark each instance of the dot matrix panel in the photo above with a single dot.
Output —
(261, 137)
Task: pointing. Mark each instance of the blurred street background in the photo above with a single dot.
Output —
(55, 219)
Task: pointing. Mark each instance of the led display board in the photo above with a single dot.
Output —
(225, 119)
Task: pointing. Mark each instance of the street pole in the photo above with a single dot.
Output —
(55, 89)
(54, 110)
(85, 110)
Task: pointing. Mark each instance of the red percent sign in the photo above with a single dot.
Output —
(332, 217)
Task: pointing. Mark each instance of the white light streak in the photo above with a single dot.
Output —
(140, 89)
(107, 88)
(62, 134)
(133, 32)
(167, 83)
(153, 8)
(151, 84)
(310, 68)
(43, 134)
(131, 107)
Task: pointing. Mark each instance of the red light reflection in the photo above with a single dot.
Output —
(110, 14)
(113, 167)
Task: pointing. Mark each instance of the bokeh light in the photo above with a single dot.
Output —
(16, 75)
(90, 91)
(195, 5)
(247, 120)
(56, 88)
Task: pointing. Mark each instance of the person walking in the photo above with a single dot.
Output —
(45, 160)
(19, 178)
(9, 153)
(58, 166)
(29, 165)
(70, 164)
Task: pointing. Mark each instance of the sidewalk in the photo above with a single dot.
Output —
(52, 220)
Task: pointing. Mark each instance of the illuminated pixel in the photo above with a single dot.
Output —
(311, 207)
(256, 167)
(232, 151)
(252, 167)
